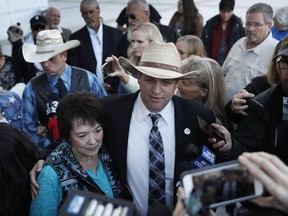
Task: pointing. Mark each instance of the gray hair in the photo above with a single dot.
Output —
(95, 2)
(142, 4)
(281, 15)
(50, 9)
(263, 8)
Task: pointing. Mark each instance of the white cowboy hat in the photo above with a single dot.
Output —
(159, 60)
(49, 43)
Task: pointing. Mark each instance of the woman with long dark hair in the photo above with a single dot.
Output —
(187, 19)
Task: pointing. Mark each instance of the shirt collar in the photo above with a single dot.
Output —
(65, 76)
(99, 33)
(257, 49)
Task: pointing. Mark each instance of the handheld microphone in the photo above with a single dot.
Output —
(200, 157)
(53, 100)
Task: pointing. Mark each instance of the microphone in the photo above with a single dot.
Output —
(53, 100)
(200, 157)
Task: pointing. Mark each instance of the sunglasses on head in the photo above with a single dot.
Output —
(131, 16)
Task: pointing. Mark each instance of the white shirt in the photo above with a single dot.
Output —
(97, 44)
(242, 65)
(138, 153)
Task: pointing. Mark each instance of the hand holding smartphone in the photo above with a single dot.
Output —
(107, 68)
(208, 129)
(219, 185)
(254, 108)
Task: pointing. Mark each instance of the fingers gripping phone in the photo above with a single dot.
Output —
(208, 129)
(254, 108)
(219, 185)
(107, 68)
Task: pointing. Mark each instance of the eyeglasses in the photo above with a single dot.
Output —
(131, 16)
(255, 25)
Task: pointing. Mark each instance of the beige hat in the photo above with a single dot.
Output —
(49, 43)
(159, 60)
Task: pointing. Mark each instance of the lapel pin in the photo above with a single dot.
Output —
(187, 131)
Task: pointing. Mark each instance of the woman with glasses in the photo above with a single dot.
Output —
(205, 85)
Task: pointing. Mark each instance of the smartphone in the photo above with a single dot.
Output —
(218, 185)
(107, 68)
(255, 108)
(208, 129)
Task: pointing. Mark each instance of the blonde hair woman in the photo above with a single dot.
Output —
(190, 45)
(206, 85)
(142, 35)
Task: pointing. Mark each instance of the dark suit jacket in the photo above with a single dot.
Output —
(83, 55)
(117, 122)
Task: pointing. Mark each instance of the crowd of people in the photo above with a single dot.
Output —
(112, 110)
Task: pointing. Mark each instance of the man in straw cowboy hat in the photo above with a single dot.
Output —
(58, 78)
(129, 117)
(158, 74)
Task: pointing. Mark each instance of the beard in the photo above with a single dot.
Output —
(90, 23)
(129, 33)
(252, 38)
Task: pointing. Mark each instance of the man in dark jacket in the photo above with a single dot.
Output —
(98, 41)
(222, 31)
(267, 132)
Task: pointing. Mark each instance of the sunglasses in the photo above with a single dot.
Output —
(131, 16)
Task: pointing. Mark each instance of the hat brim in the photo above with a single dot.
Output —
(153, 72)
(30, 54)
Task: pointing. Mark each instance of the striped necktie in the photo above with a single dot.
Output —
(156, 165)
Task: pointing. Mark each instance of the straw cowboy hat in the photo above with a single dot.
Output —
(159, 60)
(49, 43)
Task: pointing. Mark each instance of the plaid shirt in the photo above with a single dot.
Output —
(30, 118)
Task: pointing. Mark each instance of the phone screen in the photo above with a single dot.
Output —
(221, 186)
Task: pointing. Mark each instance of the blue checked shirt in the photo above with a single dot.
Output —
(30, 118)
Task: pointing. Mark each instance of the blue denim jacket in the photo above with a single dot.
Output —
(11, 108)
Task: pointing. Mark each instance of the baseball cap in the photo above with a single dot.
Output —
(38, 21)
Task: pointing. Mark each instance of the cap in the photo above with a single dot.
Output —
(38, 21)
(283, 51)
(226, 5)
(15, 32)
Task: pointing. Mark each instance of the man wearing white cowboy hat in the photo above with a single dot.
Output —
(51, 52)
(158, 74)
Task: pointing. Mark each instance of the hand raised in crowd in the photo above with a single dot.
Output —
(113, 68)
(179, 209)
(33, 177)
(222, 145)
(273, 174)
(238, 104)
